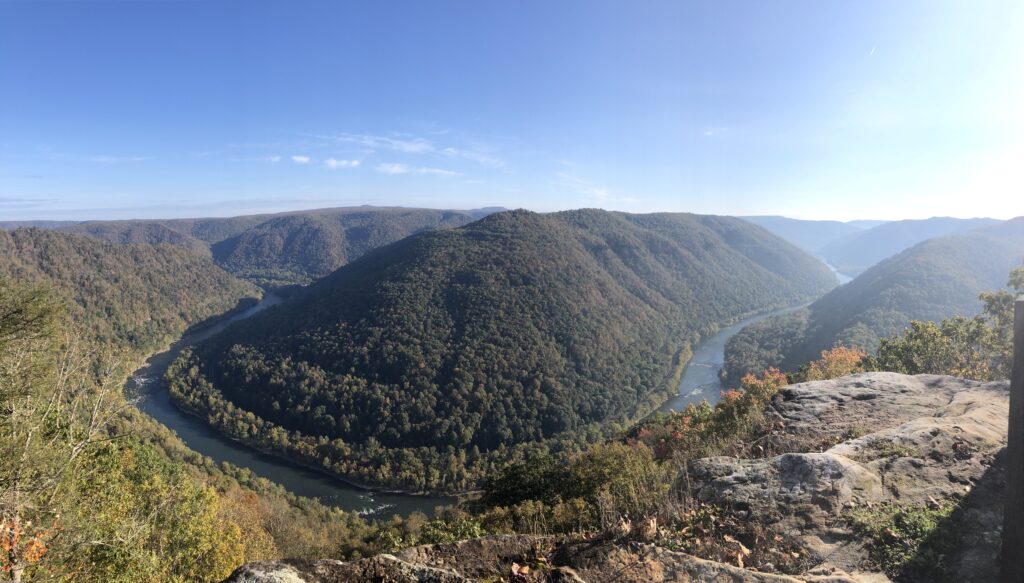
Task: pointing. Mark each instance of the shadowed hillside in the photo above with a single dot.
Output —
(133, 295)
(854, 253)
(282, 248)
(302, 247)
(933, 280)
(422, 363)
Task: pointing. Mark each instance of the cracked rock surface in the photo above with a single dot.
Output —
(856, 442)
(883, 438)
(491, 559)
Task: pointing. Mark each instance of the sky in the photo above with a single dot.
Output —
(812, 109)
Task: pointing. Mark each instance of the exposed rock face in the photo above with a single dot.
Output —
(546, 559)
(858, 441)
(378, 568)
(887, 438)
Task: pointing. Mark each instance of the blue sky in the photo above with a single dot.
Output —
(812, 109)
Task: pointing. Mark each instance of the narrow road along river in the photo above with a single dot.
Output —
(156, 401)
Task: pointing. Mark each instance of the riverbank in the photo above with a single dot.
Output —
(297, 462)
(304, 478)
(300, 479)
(700, 379)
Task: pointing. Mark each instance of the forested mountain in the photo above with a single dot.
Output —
(277, 249)
(92, 489)
(298, 248)
(207, 230)
(808, 235)
(427, 361)
(149, 232)
(933, 280)
(136, 296)
(11, 225)
(858, 251)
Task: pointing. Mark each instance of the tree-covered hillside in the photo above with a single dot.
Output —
(427, 361)
(301, 247)
(150, 232)
(134, 296)
(808, 235)
(933, 280)
(283, 248)
(854, 253)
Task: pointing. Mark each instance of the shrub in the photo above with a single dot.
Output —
(835, 363)
(908, 543)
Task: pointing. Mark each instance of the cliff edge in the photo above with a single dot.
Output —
(852, 462)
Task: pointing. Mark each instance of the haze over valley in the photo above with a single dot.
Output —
(522, 292)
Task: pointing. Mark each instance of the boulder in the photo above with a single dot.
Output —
(856, 442)
(524, 559)
(382, 568)
(886, 438)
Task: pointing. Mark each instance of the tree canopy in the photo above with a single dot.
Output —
(933, 280)
(426, 361)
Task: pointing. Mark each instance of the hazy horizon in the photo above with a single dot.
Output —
(805, 109)
(227, 214)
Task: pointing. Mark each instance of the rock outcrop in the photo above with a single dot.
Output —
(862, 441)
(881, 438)
(524, 559)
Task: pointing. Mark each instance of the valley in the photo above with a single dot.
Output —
(586, 291)
(701, 380)
(392, 373)
(147, 385)
(938, 278)
(425, 364)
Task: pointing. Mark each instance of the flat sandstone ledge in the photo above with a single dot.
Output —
(892, 439)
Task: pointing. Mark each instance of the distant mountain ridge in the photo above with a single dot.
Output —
(134, 296)
(853, 246)
(809, 235)
(455, 349)
(303, 247)
(935, 279)
(855, 252)
(279, 248)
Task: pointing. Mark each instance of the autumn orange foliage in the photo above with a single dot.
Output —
(835, 363)
(701, 429)
(17, 548)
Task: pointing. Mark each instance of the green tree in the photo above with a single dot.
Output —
(979, 348)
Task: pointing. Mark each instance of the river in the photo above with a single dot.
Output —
(700, 378)
(699, 381)
(842, 277)
(147, 382)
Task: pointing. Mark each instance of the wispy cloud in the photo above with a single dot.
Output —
(301, 159)
(581, 186)
(23, 202)
(473, 155)
(264, 159)
(399, 143)
(334, 163)
(393, 168)
(599, 194)
(436, 171)
(116, 159)
(408, 144)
